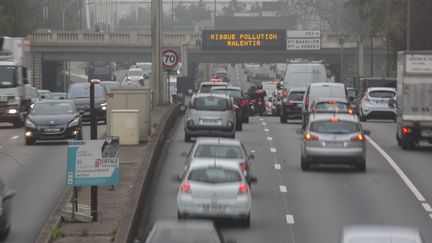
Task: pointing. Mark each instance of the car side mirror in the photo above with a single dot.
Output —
(8, 194)
(253, 179)
(366, 132)
(299, 131)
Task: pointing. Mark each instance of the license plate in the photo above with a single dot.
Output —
(51, 130)
(426, 133)
(299, 105)
(334, 144)
(210, 121)
(214, 208)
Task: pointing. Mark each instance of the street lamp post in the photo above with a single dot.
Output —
(408, 23)
(341, 44)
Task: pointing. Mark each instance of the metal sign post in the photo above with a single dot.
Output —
(93, 136)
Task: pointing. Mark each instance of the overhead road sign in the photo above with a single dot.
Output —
(303, 39)
(93, 162)
(170, 59)
(251, 40)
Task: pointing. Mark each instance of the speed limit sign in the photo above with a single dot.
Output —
(170, 59)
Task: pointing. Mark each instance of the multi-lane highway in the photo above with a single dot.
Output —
(290, 205)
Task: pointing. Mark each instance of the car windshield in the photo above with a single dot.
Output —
(339, 127)
(7, 77)
(327, 91)
(331, 107)
(218, 151)
(53, 108)
(233, 93)
(83, 91)
(134, 73)
(296, 96)
(147, 66)
(382, 94)
(214, 175)
(211, 104)
(182, 235)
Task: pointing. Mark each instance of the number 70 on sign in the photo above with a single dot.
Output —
(170, 59)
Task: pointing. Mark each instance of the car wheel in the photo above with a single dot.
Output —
(5, 234)
(246, 119)
(407, 143)
(29, 141)
(283, 119)
(246, 222)
(187, 138)
(304, 164)
(361, 166)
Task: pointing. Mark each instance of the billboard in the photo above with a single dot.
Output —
(250, 40)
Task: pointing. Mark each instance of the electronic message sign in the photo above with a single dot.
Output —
(250, 40)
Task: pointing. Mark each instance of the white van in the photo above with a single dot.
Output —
(300, 75)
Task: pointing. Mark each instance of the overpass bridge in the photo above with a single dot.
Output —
(57, 47)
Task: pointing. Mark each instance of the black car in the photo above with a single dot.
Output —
(6, 196)
(184, 231)
(79, 93)
(292, 105)
(53, 120)
(239, 99)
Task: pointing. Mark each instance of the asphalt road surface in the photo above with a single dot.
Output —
(290, 205)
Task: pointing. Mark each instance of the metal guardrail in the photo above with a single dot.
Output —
(328, 40)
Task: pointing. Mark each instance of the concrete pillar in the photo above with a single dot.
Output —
(37, 69)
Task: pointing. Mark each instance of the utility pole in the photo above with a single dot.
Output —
(408, 23)
(87, 14)
(387, 40)
(156, 30)
(93, 136)
(341, 44)
(371, 55)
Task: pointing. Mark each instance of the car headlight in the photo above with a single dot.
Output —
(30, 124)
(230, 124)
(103, 106)
(12, 111)
(74, 122)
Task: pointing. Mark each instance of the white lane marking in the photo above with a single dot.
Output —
(283, 188)
(289, 219)
(273, 150)
(266, 130)
(398, 170)
(14, 137)
(427, 207)
(269, 138)
(264, 123)
(277, 166)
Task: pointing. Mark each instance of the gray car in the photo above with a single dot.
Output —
(210, 115)
(6, 196)
(375, 104)
(221, 148)
(334, 139)
(215, 189)
(380, 233)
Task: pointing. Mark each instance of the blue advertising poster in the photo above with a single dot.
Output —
(93, 162)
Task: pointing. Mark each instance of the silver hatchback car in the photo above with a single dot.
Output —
(211, 115)
(375, 104)
(222, 148)
(216, 189)
(334, 139)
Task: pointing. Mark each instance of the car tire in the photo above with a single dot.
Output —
(283, 119)
(246, 118)
(245, 222)
(29, 141)
(5, 234)
(304, 164)
(361, 166)
(187, 138)
(362, 117)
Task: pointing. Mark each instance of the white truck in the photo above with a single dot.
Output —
(414, 98)
(14, 103)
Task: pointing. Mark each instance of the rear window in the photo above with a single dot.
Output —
(182, 235)
(83, 91)
(382, 94)
(331, 107)
(327, 92)
(134, 73)
(214, 175)
(232, 93)
(340, 127)
(296, 96)
(218, 151)
(211, 104)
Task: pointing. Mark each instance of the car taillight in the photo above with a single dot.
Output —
(358, 138)
(307, 101)
(334, 119)
(285, 94)
(267, 104)
(244, 102)
(311, 137)
(186, 188)
(350, 111)
(243, 189)
(244, 166)
(406, 130)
